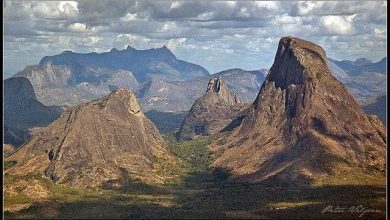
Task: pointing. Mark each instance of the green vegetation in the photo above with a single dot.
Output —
(166, 121)
(193, 153)
(196, 193)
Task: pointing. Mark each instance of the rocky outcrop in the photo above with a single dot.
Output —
(23, 112)
(303, 125)
(212, 112)
(95, 144)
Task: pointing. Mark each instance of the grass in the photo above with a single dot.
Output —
(196, 193)
(193, 154)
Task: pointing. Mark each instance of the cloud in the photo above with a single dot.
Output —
(216, 34)
(338, 25)
(79, 27)
(55, 10)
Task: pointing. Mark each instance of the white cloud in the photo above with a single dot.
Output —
(168, 26)
(129, 17)
(175, 4)
(79, 27)
(55, 10)
(285, 19)
(133, 39)
(68, 7)
(339, 25)
(174, 43)
(267, 4)
(380, 31)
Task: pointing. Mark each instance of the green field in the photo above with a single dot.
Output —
(197, 193)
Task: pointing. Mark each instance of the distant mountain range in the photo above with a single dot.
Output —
(361, 65)
(363, 78)
(157, 77)
(73, 78)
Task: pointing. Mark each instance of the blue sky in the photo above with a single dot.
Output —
(217, 35)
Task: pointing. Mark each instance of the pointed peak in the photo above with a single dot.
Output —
(215, 84)
(130, 48)
(165, 48)
(165, 51)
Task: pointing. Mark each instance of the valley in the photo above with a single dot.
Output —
(195, 192)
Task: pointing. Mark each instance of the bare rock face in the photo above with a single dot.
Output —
(303, 124)
(93, 144)
(212, 112)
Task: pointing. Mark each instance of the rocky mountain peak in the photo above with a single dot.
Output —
(215, 84)
(297, 60)
(303, 125)
(95, 144)
(218, 86)
(212, 112)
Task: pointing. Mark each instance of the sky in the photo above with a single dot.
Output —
(218, 35)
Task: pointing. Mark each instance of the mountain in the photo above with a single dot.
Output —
(364, 78)
(376, 106)
(23, 112)
(362, 65)
(142, 63)
(178, 96)
(170, 96)
(97, 144)
(367, 85)
(303, 126)
(73, 78)
(349, 64)
(212, 112)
